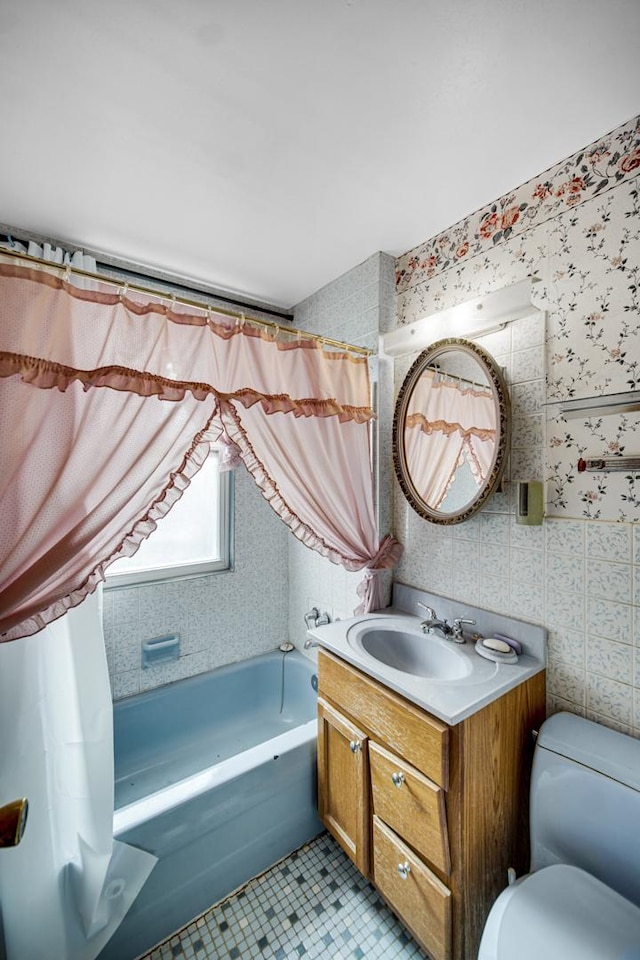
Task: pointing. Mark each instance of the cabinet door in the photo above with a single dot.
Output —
(343, 783)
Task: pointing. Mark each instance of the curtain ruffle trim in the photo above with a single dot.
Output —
(178, 483)
(467, 452)
(475, 465)
(389, 550)
(48, 375)
(418, 421)
(276, 501)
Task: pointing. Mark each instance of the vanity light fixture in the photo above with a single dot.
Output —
(474, 318)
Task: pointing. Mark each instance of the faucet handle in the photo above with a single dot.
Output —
(458, 634)
(431, 614)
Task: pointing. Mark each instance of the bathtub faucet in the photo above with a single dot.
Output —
(316, 619)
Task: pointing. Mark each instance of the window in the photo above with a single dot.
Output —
(194, 538)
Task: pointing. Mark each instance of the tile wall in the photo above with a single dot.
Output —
(578, 578)
(221, 618)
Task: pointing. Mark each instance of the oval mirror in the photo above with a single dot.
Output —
(451, 431)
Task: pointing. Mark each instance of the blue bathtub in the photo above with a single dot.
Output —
(216, 776)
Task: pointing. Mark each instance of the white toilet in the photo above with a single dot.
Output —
(582, 899)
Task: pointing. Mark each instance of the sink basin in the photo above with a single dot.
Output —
(422, 655)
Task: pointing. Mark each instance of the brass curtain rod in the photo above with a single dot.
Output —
(171, 298)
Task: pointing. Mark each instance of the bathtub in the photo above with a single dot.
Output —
(216, 776)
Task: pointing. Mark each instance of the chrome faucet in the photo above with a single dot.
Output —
(449, 632)
(433, 623)
(314, 619)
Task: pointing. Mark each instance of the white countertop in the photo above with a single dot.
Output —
(482, 680)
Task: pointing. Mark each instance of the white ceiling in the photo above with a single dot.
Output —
(266, 146)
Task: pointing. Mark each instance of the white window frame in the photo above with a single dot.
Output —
(196, 569)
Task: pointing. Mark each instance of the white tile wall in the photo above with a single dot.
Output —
(558, 580)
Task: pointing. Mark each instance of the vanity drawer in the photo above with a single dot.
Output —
(412, 805)
(387, 716)
(412, 890)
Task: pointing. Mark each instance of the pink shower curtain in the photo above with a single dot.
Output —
(107, 405)
(446, 423)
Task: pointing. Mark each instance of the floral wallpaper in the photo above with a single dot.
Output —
(577, 229)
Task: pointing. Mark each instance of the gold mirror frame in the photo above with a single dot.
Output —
(500, 392)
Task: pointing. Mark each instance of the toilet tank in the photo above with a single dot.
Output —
(585, 801)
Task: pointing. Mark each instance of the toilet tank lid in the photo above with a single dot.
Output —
(606, 751)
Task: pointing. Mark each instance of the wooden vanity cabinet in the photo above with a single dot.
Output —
(433, 815)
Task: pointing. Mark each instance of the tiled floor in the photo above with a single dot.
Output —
(313, 904)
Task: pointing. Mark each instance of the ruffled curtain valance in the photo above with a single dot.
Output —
(130, 395)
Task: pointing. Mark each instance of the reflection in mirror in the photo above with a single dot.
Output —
(450, 431)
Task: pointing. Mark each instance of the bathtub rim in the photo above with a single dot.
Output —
(160, 801)
(232, 666)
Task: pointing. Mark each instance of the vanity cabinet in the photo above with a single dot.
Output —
(432, 814)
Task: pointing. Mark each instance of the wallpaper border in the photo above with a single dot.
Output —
(589, 173)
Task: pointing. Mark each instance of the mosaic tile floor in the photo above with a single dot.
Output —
(313, 904)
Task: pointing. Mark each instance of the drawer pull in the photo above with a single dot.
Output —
(398, 779)
(355, 745)
(404, 869)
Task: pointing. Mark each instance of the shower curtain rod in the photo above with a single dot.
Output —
(454, 376)
(171, 298)
(463, 380)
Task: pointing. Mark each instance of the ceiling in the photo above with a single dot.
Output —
(267, 146)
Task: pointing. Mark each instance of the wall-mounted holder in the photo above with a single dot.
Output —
(160, 650)
(530, 503)
(610, 465)
(599, 406)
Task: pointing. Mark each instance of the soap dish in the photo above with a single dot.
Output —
(495, 655)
